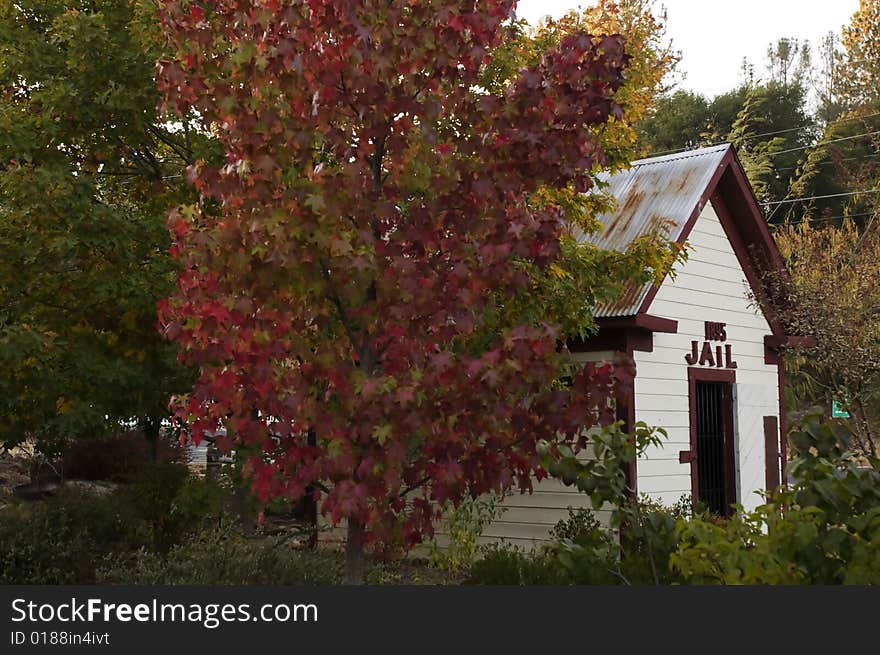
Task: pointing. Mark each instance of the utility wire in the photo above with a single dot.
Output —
(822, 219)
(794, 129)
(809, 127)
(831, 163)
(833, 195)
(821, 143)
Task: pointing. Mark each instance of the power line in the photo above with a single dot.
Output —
(833, 195)
(821, 143)
(823, 219)
(831, 163)
(808, 127)
(794, 129)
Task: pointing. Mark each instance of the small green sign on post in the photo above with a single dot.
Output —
(837, 411)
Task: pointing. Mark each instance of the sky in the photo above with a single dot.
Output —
(714, 36)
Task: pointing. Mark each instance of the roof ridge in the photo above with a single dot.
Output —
(685, 154)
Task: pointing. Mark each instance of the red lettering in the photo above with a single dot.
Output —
(728, 356)
(715, 331)
(691, 359)
(706, 357)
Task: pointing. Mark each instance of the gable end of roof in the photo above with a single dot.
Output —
(667, 194)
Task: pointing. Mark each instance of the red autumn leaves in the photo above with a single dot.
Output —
(348, 268)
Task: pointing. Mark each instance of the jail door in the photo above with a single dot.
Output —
(715, 468)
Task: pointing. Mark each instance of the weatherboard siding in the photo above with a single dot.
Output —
(525, 520)
(710, 286)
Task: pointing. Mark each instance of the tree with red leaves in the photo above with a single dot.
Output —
(353, 276)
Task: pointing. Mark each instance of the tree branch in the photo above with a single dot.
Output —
(337, 303)
(417, 485)
(185, 155)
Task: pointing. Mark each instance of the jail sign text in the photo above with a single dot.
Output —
(719, 356)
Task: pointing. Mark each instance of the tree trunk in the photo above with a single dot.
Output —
(151, 432)
(354, 553)
(310, 504)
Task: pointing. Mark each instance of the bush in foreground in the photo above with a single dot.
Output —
(220, 557)
(824, 530)
(64, 539)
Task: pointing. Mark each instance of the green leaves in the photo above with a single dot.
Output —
(831, 296)
(88, 169)
(597, 464)
(825, 530)
(382, 433)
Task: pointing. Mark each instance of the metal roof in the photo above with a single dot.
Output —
(656, 194)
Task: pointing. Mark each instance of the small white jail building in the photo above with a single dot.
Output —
(707, 363)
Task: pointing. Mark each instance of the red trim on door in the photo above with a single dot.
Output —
(643, 321)
(783, 423)
(771, 453)
(712, 375)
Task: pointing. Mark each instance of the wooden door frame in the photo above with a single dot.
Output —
(728, 378)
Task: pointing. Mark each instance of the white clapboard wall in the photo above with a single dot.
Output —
(525, 520)
(710, 286)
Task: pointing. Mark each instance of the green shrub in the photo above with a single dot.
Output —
(63, 539)
(503, 564)
(583, 552)
(581, 525)
(170, 503)
(465, 525)
(825, 530)
(60, 541)
(225, 557)
(637, 552)
(220, 557)
(648, 538)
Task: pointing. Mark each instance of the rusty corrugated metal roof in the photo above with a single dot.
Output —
(656, 194)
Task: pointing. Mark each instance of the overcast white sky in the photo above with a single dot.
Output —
(714, 36)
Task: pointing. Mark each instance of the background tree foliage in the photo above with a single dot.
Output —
(770, 132)
(88, 170)
(832, 295)
(652, 59)
(678, 120)
(807, 133)
(584, 274)
(846, 158)
(858, 64)
(768, 121)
